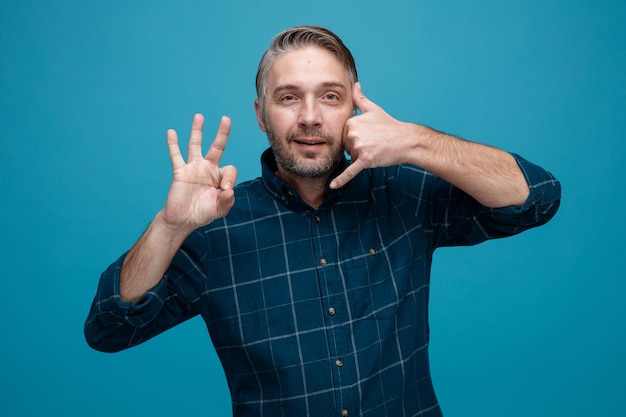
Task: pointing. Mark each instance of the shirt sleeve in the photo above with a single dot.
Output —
(458, 219)
(113, 325)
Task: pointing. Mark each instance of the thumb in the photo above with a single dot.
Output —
(359, 99)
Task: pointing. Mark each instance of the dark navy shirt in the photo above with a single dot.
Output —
(319, 312)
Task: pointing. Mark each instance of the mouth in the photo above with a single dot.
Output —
(310, 141)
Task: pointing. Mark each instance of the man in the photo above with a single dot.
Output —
(313, 279)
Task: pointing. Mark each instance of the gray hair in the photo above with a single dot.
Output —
(300, 37)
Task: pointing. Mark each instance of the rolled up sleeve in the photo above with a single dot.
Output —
(541, 205)
(112, 324)
(459, 220)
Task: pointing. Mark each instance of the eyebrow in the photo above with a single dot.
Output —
(291, 87)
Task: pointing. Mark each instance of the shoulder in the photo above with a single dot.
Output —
(401, 176)
(396, 184)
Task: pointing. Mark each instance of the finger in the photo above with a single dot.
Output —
(219, 143)
(172, 144)
(225, 202)
(359, 99)
(195, 139)
(349, 173)
(229, 177)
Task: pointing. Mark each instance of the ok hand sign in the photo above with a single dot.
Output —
(201, 190)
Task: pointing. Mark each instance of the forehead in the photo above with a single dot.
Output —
(307, 66)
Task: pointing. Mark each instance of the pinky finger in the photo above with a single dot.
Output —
(172, 143)
(350, 172)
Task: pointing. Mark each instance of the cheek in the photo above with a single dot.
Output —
(338, 122)
(280, 121)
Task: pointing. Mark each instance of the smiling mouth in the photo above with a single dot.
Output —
(309, 137)
(310, 142)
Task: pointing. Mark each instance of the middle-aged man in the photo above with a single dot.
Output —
(313, 279)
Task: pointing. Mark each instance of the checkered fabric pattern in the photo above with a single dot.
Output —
(319, 312)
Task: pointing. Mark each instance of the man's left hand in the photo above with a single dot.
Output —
(373, 138)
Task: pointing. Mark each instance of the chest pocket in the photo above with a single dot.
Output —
(372, 285)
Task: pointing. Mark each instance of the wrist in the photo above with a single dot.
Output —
(423, 145)
(169, 232)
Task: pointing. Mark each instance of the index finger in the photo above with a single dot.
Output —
(214, 154)
(349, 173)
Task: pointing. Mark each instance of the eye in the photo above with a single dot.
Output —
(331, 97)
(288, 97)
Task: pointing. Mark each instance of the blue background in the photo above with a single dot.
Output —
(531, 325)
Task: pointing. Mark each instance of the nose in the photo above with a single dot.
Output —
(310, 113)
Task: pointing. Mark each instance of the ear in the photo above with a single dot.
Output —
(259, 116)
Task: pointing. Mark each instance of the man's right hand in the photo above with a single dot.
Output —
(201, 191)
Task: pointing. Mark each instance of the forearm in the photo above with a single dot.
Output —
(489, 175)
(134, 301)
(146, 263)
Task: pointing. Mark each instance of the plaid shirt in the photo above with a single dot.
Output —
(319, 312)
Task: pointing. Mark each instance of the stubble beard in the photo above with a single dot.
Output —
(308, 166)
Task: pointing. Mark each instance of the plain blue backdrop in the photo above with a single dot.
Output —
(531, 325)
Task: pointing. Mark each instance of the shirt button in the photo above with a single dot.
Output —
(318, 219)
(345, 412)
(323, 262)
(331, 311)
(372, 251)
(339, 363)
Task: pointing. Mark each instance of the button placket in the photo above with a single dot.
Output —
(331, 286)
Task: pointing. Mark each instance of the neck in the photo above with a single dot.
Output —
(311, 190)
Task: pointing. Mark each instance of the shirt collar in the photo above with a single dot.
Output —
(286, 194)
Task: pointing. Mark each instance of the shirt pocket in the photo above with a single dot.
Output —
(371, 285)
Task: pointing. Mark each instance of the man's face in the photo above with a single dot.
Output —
(308, 100)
